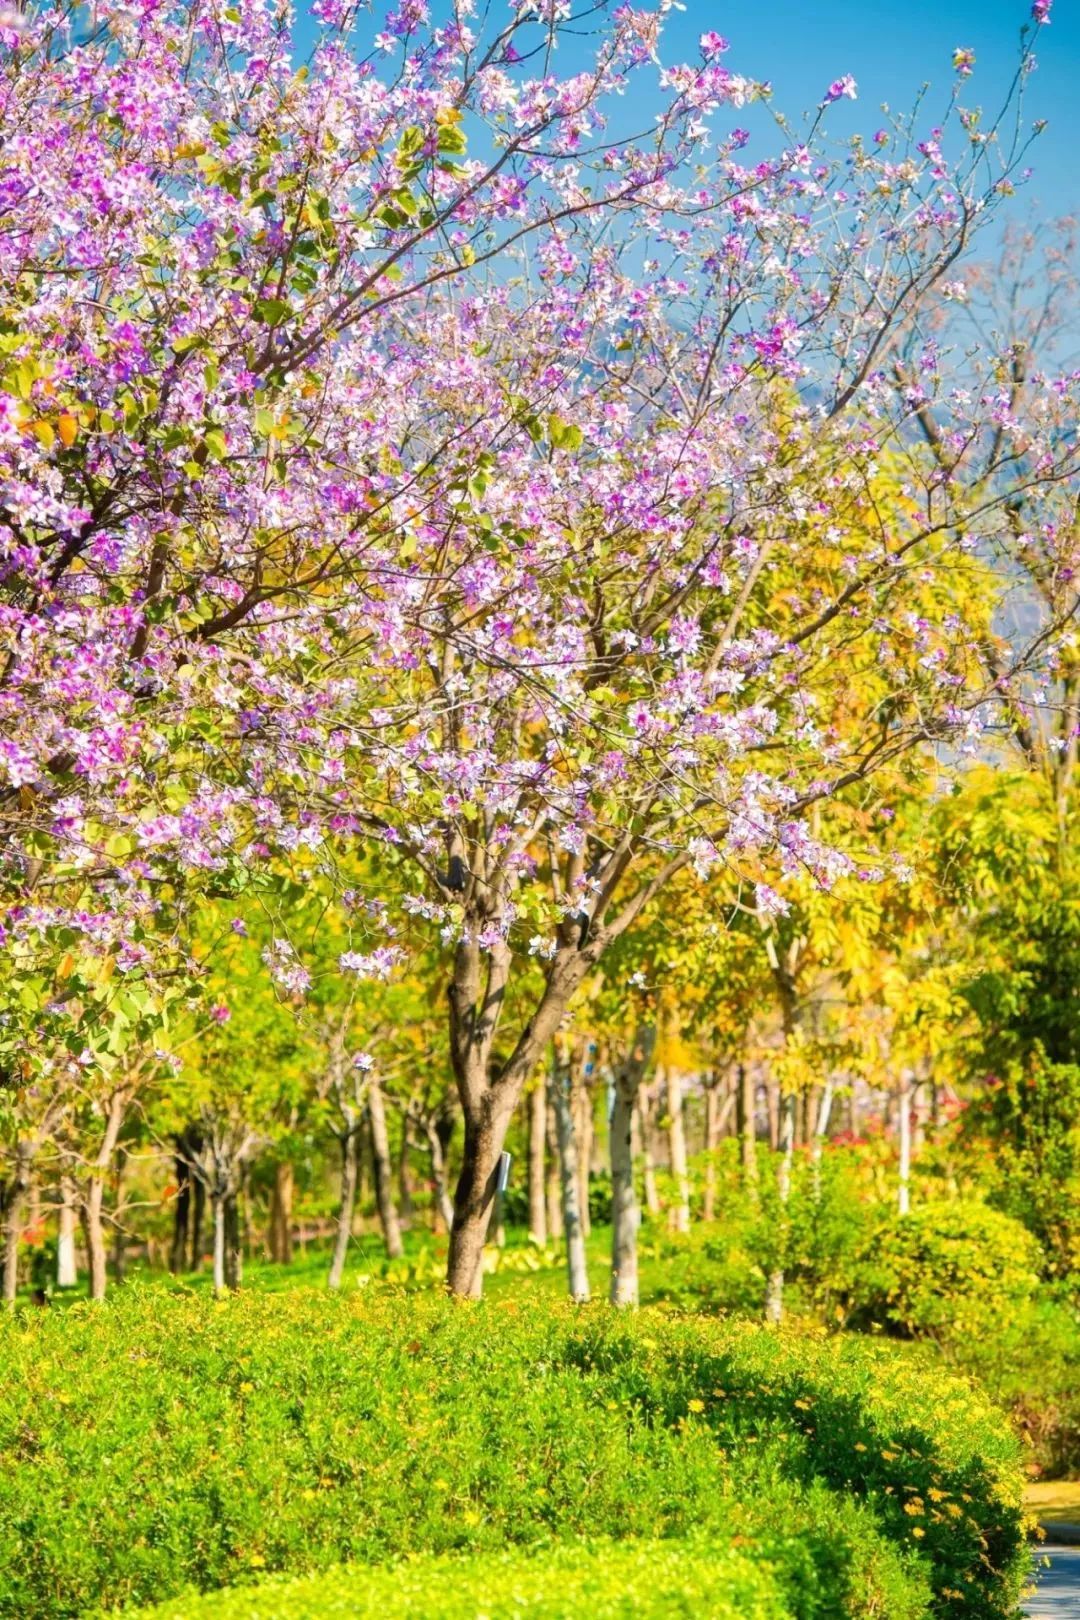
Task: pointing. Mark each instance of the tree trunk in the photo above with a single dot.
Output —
(13, 1210)
(582, 1101)
(577, 1270)
(774, 1297)
(281, 1208)
(405, 1179)
(95, 1236)
(234, 1252)
(67, 1272)
(772, 1096)
(474, 1197)
(537, 1106)
(647, 1121)
(748, 1114)
(444, 1204)
(712, 1142)
(383, 1171)
(680, 1210)
(350, 1153)
(95, 1195)
(217, 1206)
(903, 1101)
(119, 1246)
(181, 1218)
(625, 1214)
(821, 1127)
(552, 1195)
(198, 1216)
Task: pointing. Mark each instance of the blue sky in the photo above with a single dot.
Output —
(894, 46)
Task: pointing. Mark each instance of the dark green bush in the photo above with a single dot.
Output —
(606, 1581)
(945, 1268)
(164, 1442)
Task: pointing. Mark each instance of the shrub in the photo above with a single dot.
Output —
(1027, 1126)
(1031, 1367)
(606, 1581)
(163, 1442)
(944, 1268)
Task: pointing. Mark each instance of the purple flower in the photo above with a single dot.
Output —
(713, 45)
(1040, 11)
(840, 88)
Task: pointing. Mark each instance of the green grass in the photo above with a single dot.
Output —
(1054, 1501)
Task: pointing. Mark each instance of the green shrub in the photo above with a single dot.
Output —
(945, 1268)
(162, 1442)
(606, 1581)
(1023, 1134)
(1030, 1366)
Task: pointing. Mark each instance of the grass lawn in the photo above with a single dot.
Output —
(1055, 1501)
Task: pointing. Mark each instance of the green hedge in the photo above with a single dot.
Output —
(162, 1442)
(606, 1581)
(954, 1266)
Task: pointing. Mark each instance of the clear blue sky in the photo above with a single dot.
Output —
(894, 46)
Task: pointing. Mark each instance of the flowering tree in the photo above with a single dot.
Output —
(218, 269)
(406, 457)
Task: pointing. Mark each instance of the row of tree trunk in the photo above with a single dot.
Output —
(210, 1163)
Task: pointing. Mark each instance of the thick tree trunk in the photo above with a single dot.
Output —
(67, 1272)
(474, 1198)
(774, 1296)
(552, 1194)
(350, 1151)
(680, 1171)
(537, 1106)
(281, 1208)
(490, 1093)
(383, 1171)
(577, 1270)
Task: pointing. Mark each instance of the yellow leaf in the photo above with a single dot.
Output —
(44, 434)
(68, 429)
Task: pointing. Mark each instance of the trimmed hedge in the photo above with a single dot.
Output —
(606, 1581)
(160, 1443)
(954, 1266)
